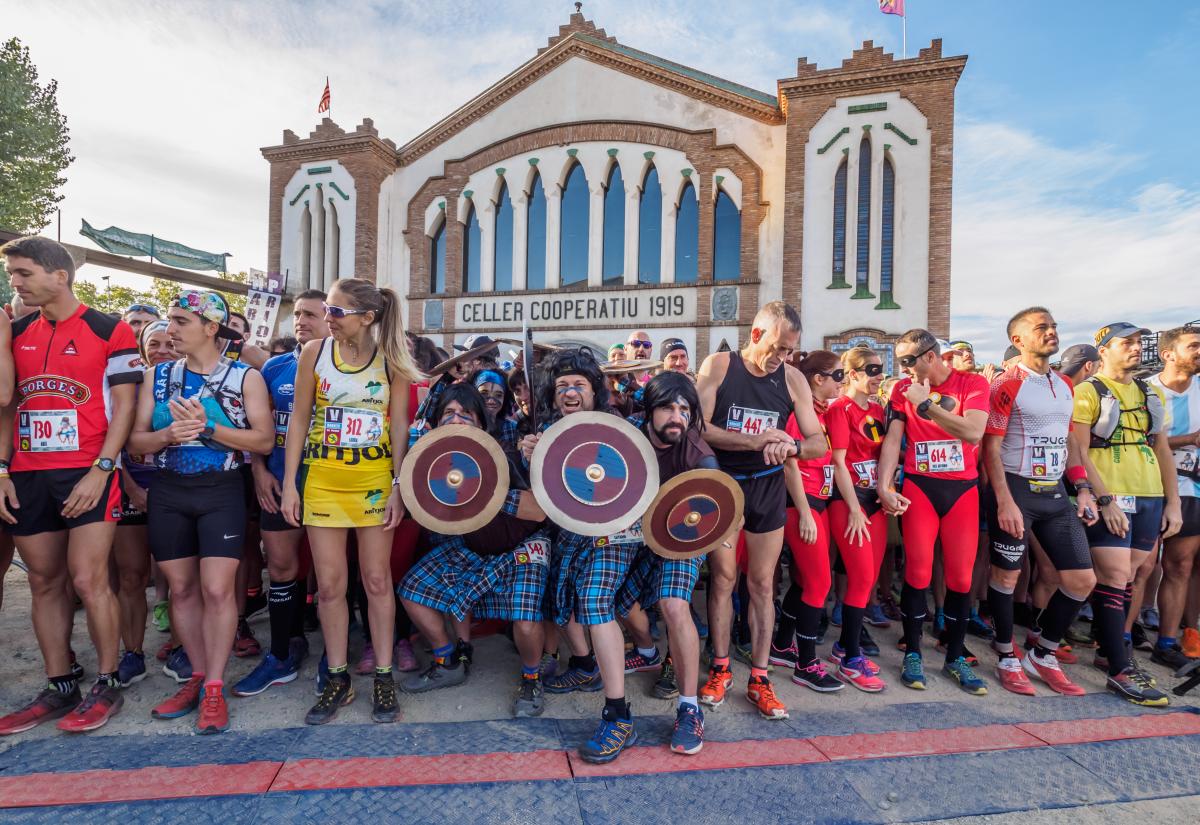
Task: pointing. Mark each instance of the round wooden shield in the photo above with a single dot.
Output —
(454, 479)
(593, 473)
(692, 513)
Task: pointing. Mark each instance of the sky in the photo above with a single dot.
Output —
(1075, 182)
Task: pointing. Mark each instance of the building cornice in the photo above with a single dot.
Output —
(870, 69)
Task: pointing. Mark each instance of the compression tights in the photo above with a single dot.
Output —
(810, 570)
(862, 563)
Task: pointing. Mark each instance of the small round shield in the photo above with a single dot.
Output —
(454, 479)
(692, 513)
(593, 473)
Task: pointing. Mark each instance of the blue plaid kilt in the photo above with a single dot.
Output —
(452, 579)
(585, 578)
(653, 578)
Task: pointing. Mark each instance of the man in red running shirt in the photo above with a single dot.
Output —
(76, 372)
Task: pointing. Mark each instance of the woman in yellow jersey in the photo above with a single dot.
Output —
(349, 424)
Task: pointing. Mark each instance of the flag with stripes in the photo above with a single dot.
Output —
(323, 106)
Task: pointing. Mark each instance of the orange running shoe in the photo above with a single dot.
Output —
(713, 692)
(214, 713)
(760, 692)
(1191, 643)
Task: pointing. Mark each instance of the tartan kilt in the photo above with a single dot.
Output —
(585, 579)
(653, 578)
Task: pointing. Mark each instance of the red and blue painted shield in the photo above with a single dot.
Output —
(454, 479)
(693, 514)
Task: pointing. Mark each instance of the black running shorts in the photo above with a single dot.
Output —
(197, 515)
(1049, 515)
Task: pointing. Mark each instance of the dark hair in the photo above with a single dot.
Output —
(562, 362)
(1167, 340)
(468, 398)
(245, 320)
(516, 377)
(284, 342)
(923, 339)
(309, 295)
(818, 361)
(663, 389)
(506, 406)
(1021, 316)
(49, 254)
(425, 352)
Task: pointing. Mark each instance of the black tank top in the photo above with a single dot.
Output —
(749, 404)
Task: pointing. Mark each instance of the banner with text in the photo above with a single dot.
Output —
(262, 306)
(596, 309)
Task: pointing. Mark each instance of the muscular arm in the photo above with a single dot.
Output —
(123, 403)
(143, 440)
(814, 445)
(968, 427)
(260, 437)
(995, 467)
(1178, 442)
(1081, 436)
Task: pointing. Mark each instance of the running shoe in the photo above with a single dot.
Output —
(868, 644)
(960, 671)
(1171, 657)
(162, 616)
(1141, 672)
(713, 692)
(976, 626)
(784, 657)
(762, 695)
(385, 707)
(637, 663)
(1081, 637)
(48, 705)
(573, 679)
(861, 673)
(890, 608)
(1011, 676)
(132, 668)
(1149, 618)
(298, 650)
(1048, 670)
(255, 603)
(404, 657)
(743, 653)
(814, 677)
(971, 658)
(876, 616)
(939, 622)
(269, 672)
(185, 700)
(244, 643)
(701, 627)
(366, 662)
(101, 704)
(531, 698)
(836, 618)
(549, 666)
(688, 735)
(338, 692)
(464, 652)
(1131, 689)
(1190, 643)
(214, 713)
(435, 677)
(912, 674)
(178, 666)
(77, 670)
(665, 686)
(1140, 640)
(608, 741)
(322, 676)
(1064, 653)
(838, 653)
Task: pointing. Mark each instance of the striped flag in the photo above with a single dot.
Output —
(323, 106)
(892, 7)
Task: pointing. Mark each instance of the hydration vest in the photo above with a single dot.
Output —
(1109, 419)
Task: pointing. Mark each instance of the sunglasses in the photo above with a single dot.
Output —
(962, 346)
(153, 310)
(641, 344)
(872, 370)
(910, 361)
(341, 312)
(837, 375)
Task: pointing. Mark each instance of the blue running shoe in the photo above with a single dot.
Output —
(836, 618)
(270, 671)
(688, 736)
(573, 679)
(178, 666)
(876, 617)
(961, 672)
(608, 741)
(322, 675)
(939, 621)
(913, 672)
(131, 669)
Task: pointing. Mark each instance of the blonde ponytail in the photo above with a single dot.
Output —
(388, 329)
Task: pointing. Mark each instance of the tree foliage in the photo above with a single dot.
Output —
(33, 143)
(117, 298)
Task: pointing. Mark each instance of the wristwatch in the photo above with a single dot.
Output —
(106, 465)
(923, 407)
(209, 429)
(1104, 501)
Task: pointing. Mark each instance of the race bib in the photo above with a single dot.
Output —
(749, 421)
(630, 535)
(1185, 461)
(1128, 504)
(353, 427)
(1048, 462)
(49, 431)
(533, 551)
(867, 472)
(281, 425)
(827, 481)
(940, 456)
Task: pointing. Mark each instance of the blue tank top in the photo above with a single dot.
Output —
(221, 395)
(280, 375)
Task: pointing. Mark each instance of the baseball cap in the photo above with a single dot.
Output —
(1120, 329)
(671, 345)
(615, 348)
(961, 345)
(1010, 353)
(210, 306)
(1076, 356)
(478, 341)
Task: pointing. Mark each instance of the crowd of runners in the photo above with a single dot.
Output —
(159, 449)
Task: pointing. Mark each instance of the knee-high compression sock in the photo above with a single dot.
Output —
(789, 613)
(913, 607)
(852, 622)
(958, 610)
(1108, 611)
(1057, 616)
(807, 624)
(1001, 603)
(283, 605)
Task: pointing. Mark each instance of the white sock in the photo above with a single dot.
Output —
(648, 652)
(688, 700)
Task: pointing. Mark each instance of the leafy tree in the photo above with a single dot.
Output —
(117, 298)
(33, 143)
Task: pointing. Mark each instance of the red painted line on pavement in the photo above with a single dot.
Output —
(924, 742)
(452, 769)
(1081, 731)
(715, 756)
(75, 787)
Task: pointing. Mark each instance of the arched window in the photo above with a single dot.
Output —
(887, 237)
(504, 240)
(471, 249)
(437, 259)
(614, 227)
(862, 238)
(727, 239)
(573, 229)
(535, 236)
(839, 228)
(687, 236)
(650, 230)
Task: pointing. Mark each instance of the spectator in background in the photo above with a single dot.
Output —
(1080, 362)
(674, 354)
(616, 353)
(281, 345)
(137, 316)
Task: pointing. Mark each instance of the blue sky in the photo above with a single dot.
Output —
(1074, 174)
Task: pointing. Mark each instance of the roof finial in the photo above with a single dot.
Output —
(579, 8)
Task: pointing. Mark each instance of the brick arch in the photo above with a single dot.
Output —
(699, 146)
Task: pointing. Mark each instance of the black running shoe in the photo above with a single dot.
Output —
(384, 705)
(665, 686)
(464, 652)
(1140, 640)
(866, 643)
(338, 693)
(1171, 657)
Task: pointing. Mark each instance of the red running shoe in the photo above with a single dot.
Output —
(1048, 671)
(1012, 678)
(244, 643)
(185, 700)
(101, 704)
(49, 704)
(214, 713)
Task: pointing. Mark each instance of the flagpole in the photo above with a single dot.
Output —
(904, 35)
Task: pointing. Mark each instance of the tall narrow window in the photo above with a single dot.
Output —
(727, 239)
(862, 237)
(535, 237)
(650, 230)
(839, 228)
(573, 229)
(471, 248)
(887, 238)
(614, 227)
(437, 260)
(504, 240)
(687, 236)
(306, 249)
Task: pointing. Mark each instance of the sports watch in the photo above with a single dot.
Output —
(923, 407)
(1104, 501)
(106, 465)
(209, 429)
